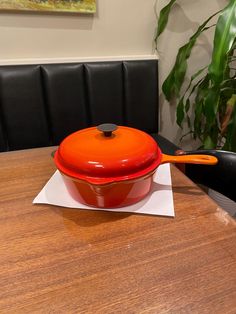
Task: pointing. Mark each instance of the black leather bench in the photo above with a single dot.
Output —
(40, 104)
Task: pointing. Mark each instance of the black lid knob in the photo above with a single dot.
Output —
(107, 128)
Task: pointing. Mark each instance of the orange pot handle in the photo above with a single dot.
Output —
(190, 159)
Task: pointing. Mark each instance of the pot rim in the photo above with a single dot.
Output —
(115, 181)
(139, 175)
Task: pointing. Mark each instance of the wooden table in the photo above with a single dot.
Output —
(60, 260)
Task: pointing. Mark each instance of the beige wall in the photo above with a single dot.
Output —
(119, 28)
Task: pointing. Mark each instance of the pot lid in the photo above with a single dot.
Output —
(107, 153)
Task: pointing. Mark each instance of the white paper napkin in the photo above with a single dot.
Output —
(158, 202)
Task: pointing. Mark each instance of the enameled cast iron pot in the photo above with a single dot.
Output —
(109, 166)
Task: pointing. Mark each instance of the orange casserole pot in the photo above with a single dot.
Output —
(109, 166)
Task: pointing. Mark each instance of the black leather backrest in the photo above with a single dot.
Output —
(41, 104)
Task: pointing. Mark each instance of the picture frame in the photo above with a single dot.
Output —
(69, 6)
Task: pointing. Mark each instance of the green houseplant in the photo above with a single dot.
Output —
(211, 92)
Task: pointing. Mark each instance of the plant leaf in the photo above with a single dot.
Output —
(230, 143)
(180, 112)
(198, 119)
(195, 75)
(211, 105)
(202, 89)
(233, 132)
(174, 81)
(224, 39)
(163, 19)
(228, 113)
(209, 143)
(187, 105)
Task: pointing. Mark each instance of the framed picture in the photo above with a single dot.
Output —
(73, 6)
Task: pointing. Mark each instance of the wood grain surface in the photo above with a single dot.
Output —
(61, 260)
